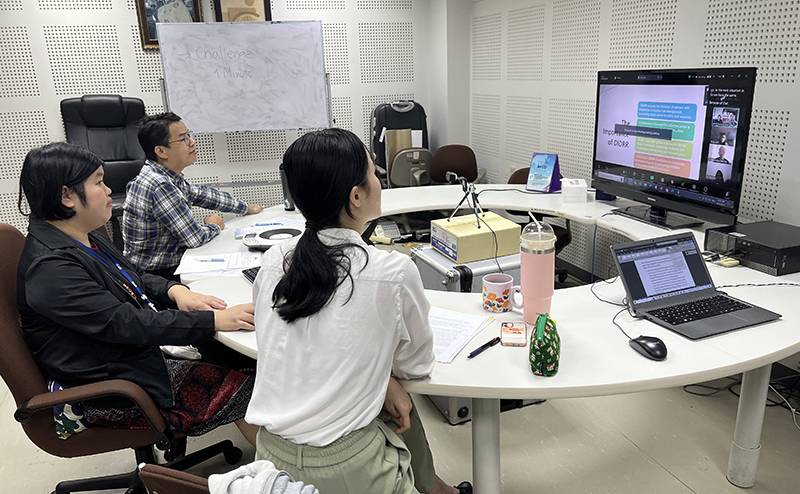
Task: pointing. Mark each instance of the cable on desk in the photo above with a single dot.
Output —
(496, 245)
(529, 192)
(758, 284)
(591, 289)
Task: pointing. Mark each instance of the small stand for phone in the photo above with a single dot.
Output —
(469, 192)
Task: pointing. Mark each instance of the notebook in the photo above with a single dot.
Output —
(667, 282)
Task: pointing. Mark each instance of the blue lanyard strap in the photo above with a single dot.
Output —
(124, 273)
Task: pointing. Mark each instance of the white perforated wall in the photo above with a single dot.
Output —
(569, 134)
(486, 42)
(526, 32)
(575, 40)
(765, 155)
(386, 51)
(642, 33)
(523, 130)
(763, 34)
(85, 59)
(16, 63)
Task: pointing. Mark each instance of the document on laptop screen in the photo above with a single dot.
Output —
(664, 273)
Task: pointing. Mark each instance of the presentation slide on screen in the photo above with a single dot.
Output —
(656, 128)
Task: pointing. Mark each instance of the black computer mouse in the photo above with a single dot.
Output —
(649, 346)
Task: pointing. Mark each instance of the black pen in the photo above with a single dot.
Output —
(483, 347)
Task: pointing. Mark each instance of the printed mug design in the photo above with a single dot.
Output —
(498, 293)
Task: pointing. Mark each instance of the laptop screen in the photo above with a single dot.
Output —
(661, 268)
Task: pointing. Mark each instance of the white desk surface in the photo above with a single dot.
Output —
(595, 356)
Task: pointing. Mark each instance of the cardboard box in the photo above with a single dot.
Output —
(461, 241)
(573, 190)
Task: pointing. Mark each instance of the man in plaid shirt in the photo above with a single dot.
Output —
(157, 223)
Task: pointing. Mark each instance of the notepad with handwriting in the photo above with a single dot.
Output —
(452, 330)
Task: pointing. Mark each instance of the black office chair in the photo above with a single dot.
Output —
(108, 124)
(563, 234)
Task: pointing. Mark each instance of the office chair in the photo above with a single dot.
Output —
(159, 479)
(563, 234)
(108, 125)
(29, 388)
(458, 159)
(410, 168)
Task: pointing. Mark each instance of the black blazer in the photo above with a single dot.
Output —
(83, 327)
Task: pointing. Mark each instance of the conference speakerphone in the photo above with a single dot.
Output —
(767, 246)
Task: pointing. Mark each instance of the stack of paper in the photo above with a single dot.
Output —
(452, 330)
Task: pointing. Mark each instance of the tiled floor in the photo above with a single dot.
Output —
(665, 441)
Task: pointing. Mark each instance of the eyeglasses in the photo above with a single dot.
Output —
(188, 137)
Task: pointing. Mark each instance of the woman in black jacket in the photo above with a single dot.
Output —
(89, 315)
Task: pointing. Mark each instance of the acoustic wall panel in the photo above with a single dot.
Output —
(575, 40)
(342, 109)
(148, 65)
(485, 136)
(486, 44)
(19, 133)
(85, 59)
(9, 212)
(334, 39)
(16, 63)
(761, 34)
(206, 151)
(766, 146)
(267, 196)
(526, 33)
(256, 146)
(10, 5)
(386, 51)
(570, 130)
(75, 4)
(315, 5)
(642, 33)
(523, 130)
(384, 4)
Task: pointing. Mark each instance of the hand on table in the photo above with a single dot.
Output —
(188, 300)
(216, 219)
(235, 318)
(254, 209)
(398, 405)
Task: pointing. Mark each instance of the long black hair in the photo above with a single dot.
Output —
(321, 169)
(46, 170)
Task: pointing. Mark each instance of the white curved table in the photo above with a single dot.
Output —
(596, 359)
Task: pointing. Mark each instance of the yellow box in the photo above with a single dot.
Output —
(461, 241)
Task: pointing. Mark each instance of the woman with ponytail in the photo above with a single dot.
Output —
(335, 321)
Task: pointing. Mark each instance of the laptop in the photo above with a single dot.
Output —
(667, 282)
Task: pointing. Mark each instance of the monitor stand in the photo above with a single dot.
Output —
(659, 217)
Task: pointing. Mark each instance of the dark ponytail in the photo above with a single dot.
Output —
(321, 169)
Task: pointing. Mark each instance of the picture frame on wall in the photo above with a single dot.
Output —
(242, 10)
(151, 12)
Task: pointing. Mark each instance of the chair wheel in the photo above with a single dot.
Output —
(233, 455)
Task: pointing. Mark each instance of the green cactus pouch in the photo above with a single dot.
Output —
(545, 348)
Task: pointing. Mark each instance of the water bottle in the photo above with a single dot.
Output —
(537, 269)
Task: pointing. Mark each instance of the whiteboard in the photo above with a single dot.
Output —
(239, 76)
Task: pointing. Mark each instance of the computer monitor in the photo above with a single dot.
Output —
(675, 140)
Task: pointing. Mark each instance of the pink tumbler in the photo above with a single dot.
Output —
(537, 269)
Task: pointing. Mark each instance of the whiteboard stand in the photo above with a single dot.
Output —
(328, 98)
(164, 99)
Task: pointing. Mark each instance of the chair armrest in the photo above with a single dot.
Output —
(161, 479)
(481, 173)
(418, 176)
(114, 387)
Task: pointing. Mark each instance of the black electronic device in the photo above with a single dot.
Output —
(251, 273)
(266, 239)
(649, 346)
(674, 140)
(767, 246)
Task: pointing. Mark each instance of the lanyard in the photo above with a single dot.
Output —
(124, 273)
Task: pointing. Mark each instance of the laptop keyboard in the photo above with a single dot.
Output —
(697, 309)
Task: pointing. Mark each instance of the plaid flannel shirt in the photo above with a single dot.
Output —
(157, 222)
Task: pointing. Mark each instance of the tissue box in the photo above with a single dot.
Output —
(573, 190)
(461, 241)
